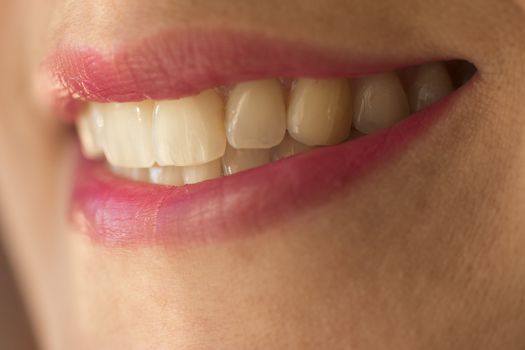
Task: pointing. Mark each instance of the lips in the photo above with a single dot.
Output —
(119, 212)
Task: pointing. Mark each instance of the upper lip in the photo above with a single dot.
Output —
(180, 63)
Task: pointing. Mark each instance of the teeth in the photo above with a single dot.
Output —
(189, 131)
(135, 174)
(198, 138)
(256, 115)
(430, 84)
(380, 102)
(289, 147)
(236, 160)
(203, 172)
(166, 175)
(127, 134)
(90, 148)
(90, 127)
(320, 111)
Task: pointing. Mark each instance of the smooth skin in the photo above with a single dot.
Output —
(427, 252)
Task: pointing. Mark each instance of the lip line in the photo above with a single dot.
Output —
(174, 64)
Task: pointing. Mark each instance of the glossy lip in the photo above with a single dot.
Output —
(180, 63)
(118, 212)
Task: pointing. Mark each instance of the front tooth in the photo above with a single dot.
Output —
(166, 175)
(256, 114)
(430, 84)
(237, 160)
(90, 127)
(127, 134)
(380, 102)
(288, 148)
(203, 172)
(320, 111)
(189, 131)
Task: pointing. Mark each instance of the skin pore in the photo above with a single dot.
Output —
(426, 252)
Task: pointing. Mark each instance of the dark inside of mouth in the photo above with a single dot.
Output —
(461, 71)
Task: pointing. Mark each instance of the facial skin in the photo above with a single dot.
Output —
(425, 253)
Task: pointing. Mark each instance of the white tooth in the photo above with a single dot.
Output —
(320, 111)
(90, 127)
(189, 131)
(203, 172)
(135, 174)
(256, 114)
(237, 160)
(166, 175)
(288, 148)
(380, 102)
(430, 84)
(96, 115)
(90, 148)
(127, 134)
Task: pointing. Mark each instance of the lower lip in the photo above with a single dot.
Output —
(118, 212)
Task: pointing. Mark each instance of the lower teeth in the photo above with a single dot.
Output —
(232, 162)
(209, 135)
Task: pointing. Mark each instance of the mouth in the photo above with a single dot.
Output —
(195, 140)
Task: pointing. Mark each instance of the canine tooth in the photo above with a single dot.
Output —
(166, 175)
(189, 131)
(90, 125)
(431, 82)
(203, 172)
(237, 160)
(380, 102)
(127, 134)
(256, 114)
(320, 111)
(288, 148)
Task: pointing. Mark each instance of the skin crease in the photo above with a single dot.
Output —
(424, 253)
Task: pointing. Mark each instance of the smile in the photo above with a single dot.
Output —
(214, 153)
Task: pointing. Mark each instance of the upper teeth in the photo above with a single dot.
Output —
(320, 111)
(189, 131)
(256, 114)
(90, 126)
(193, 132)
(430, 83)
(127, 134)
(380, 103)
